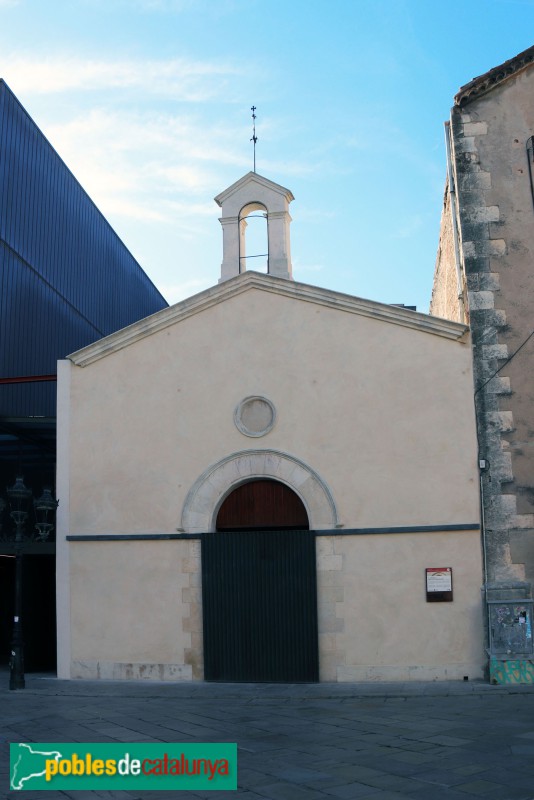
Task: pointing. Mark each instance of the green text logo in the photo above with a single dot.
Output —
(123, 766)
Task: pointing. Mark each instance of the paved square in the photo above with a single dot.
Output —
(439, 741)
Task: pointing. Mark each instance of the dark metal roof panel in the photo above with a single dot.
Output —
(66, 279)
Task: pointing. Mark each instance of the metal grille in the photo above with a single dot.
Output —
(259, 595)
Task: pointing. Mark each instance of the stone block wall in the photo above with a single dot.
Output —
(496, 233)
(445, 302)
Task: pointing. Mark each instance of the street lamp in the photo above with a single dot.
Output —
(19, 497)
(44, 505)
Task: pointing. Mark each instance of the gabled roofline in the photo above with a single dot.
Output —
(489, 80)
(253, 176)
(280, 286)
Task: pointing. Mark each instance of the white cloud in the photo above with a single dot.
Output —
(146, 165)
(152, 168)
(179, 78)
(126, 143)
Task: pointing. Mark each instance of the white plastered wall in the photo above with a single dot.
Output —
(375, 621)
(381, 413)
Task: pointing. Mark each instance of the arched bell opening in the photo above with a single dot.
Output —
(253, 238)
(262, 504)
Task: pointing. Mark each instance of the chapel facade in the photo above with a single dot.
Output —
(270, 481)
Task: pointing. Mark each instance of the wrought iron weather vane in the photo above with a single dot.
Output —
(254, 137)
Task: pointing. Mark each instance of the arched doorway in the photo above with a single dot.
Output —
(259, 588)
(262, 505)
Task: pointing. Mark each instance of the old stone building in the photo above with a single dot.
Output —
(485, 277)
(270, 481)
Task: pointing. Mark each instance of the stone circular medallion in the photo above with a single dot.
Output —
(255, 416)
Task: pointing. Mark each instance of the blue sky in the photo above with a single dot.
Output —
(148, 102)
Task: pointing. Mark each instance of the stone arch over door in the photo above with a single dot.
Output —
(209, 490)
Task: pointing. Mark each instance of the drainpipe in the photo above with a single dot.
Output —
(452, 193)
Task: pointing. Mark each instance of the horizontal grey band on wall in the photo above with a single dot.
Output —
(406, 529)
(129, 537)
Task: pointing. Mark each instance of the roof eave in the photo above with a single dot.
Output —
(494, 77)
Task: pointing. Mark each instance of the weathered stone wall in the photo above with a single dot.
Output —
(490, 134)
(445, 302)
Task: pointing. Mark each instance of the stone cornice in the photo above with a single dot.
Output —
(485, 83)
(267, 283)
(253, 177)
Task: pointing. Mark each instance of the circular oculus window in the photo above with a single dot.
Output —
(255, 416)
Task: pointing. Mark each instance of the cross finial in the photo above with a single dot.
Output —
(254, 137)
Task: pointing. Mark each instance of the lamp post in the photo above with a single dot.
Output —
(19, 497)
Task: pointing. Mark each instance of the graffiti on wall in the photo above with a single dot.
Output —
(512, 671)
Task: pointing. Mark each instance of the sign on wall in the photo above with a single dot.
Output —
(438, 584)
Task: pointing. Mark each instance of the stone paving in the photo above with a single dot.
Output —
(435, 741)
